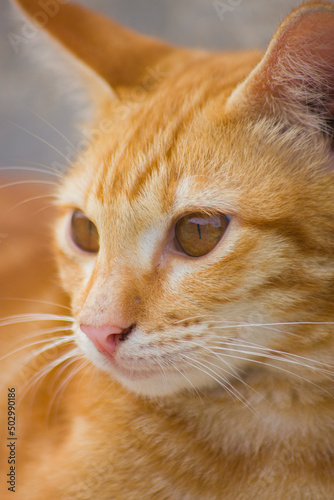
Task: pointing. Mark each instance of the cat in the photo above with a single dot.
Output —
(171, 337)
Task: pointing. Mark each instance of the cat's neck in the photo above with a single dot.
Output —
(270, 413)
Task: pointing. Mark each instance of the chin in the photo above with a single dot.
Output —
(154, 386)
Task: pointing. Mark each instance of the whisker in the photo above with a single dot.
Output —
(222, 382)
(30, 181)
(277, 323)
(188, 380)
(205, 366)
(232, 371)
(278, 358)
(191, 317)
(37, 342)
(53, 128)
(28, 200)
(269, 351)
(266, 327)
(49, 168)
(32, 169)
(40, 139)
(36, 301)
(51, 345)
(251, 360)
(65, 382)
(163, 371)
(43, 372)
(26, 318)
(46, 207)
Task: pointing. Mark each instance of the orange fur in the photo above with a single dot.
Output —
(224, 388)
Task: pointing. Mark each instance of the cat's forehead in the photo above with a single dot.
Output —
(163, 143)
(170, 170)
(180, 149)
(165, 149)
(170, 134)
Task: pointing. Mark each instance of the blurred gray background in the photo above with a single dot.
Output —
(28, 89)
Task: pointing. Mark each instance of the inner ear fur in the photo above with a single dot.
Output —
(117, 55)
(297, 70)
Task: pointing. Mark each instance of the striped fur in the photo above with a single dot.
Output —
(224, 388)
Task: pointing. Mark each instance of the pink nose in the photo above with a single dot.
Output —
(105, 337)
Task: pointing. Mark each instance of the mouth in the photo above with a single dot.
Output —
(133, 373)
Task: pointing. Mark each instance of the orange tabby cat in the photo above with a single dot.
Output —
(191, 355)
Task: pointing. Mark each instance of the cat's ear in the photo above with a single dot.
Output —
(114, 55)
(297, 70)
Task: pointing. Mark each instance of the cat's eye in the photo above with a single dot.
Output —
(198, 233)
(84, 233)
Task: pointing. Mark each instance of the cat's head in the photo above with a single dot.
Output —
(195, 234)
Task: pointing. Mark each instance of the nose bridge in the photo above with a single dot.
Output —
(109, 299)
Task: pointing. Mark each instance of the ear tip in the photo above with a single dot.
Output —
(308, 9)
(312, 22)
(299, 61)
(312, 6)
(115, 54)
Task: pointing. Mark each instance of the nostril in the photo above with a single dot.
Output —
(110, 339)
(126, 332)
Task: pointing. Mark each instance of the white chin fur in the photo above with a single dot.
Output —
(163, 384)
(154, 386)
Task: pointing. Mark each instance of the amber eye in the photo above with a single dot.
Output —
(198, 233)
(84, 233)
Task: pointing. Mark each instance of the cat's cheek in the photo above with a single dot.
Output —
(73, 275)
